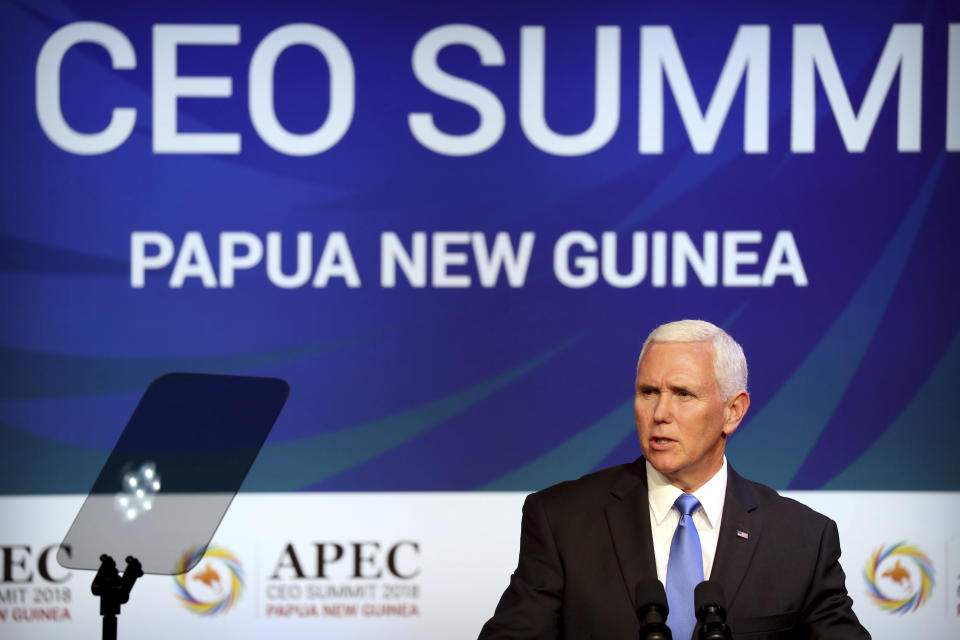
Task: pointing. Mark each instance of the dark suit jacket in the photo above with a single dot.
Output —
(585, 545)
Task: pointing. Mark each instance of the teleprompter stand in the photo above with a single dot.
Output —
(114, 590)
(169, 480)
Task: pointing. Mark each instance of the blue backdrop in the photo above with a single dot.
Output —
(843, 294)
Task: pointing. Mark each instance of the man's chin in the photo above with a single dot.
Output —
(663, 461)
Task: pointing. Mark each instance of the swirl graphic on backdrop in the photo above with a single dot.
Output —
(906, 575)
(214, 585)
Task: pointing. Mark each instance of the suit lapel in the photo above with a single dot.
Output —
(740, 531)
(629, 519)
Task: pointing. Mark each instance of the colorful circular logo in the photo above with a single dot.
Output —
(213, 585)
(899, 577)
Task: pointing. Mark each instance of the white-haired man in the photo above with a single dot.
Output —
(679, 514)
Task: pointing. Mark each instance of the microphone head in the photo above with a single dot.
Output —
(652, 610)
(709, 594)
(651, 593)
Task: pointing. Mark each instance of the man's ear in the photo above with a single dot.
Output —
(734, 411)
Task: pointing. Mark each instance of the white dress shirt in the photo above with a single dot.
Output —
(664, 517)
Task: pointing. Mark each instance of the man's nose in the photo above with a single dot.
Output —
(661, 411)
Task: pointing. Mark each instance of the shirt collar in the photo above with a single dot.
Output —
(662, 494)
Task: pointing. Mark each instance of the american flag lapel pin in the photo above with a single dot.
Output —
(743, 534)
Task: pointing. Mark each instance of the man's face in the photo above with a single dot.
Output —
(682, 420)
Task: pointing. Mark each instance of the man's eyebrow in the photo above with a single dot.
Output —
(680, 387)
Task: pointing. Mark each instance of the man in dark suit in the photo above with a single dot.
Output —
(586, 544)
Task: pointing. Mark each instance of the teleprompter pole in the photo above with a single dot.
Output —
(114, 590)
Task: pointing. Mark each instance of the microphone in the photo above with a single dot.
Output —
(709, 604)
(652, 610)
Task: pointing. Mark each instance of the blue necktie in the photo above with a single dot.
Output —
(684, 570)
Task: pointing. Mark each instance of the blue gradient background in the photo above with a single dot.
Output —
(853, 378)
